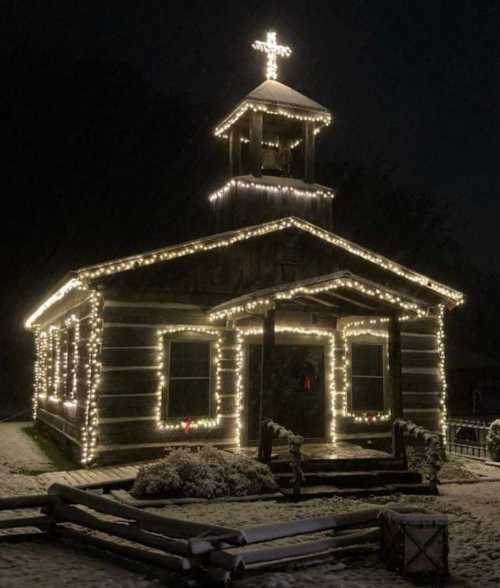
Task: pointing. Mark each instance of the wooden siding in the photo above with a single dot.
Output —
(127, 396)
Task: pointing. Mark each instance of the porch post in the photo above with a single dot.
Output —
(309, 140)
(256, 143)
(266, 374)
(234, 152)
(395, 365)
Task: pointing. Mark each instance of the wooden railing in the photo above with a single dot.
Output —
(270, 430)
(434, 451)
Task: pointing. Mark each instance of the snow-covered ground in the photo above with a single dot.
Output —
(473, 511)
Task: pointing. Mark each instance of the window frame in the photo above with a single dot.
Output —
(187, 337)
(373, 340)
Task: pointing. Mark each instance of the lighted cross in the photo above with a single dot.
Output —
(272, 49)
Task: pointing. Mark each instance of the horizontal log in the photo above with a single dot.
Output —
(412, 400)
(149, 521)
(127, 406)
(171, 562)
(154, 316)
(417, 341)
(421, 326)
(32, 501)
(148, 432)
(411, 359)
(240, 561)
(129, 382)
(129, 356)
(262, 533)
(119, 337)
(420, 382)
(40, 522)
(64, 513)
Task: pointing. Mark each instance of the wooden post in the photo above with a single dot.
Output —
(309, 139)
(234, 152)
(256, 143)
(395, 366)
(266, 374)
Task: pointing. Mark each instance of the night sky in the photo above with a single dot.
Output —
(109, 110)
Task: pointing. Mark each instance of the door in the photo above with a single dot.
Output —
(299, 389)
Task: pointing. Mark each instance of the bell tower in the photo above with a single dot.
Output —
(271, 136)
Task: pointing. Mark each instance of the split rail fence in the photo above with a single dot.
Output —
(184, 546)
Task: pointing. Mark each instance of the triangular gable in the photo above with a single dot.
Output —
(84, 275)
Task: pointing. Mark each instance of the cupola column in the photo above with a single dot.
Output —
(309, 140)
(256, 143)
(235, 152)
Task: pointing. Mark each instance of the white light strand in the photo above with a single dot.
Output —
(323, 118)
(74, 355)
(178, 424)
(349, 331)
(240, 392)
(442, 370)
(93, 366)
(272, 50)
(51, 300)
(40, 379)
(227, 240)
(277, 189)
(335, 284)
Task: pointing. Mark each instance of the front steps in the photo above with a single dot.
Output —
(352, 477)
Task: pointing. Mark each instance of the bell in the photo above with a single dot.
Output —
(270, 160)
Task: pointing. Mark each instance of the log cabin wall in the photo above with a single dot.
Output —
(60, 421)
(129, 386)
(422, 384)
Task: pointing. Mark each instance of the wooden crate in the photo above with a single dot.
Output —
(415, 544)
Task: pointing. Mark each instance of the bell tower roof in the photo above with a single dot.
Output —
(275, 98)
(271, 136)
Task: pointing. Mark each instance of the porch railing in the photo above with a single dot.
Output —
(467, 437)
(403, 430)
(270, 430)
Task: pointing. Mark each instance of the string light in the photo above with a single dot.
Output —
(73, 326)
(349, 331)
(323, 118)
(241, 333)
(272, 50)
(333, 284)
(440, 335)
(93, 367)
(227, 240)
(262, 187)
(51, 300)
(203, 423)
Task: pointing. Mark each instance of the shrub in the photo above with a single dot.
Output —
(493, 440)
(208, 473)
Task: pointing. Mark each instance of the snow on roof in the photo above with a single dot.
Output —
(279, 94)
(221, 240)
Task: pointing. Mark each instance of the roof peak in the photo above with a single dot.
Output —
(277, 93)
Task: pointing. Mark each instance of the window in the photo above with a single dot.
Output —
(188, 379)
(367, 377)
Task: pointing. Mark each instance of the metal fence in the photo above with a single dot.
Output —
(467, 437)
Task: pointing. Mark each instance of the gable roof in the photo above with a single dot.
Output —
(319, 286)
(80, 278)
(273, 92)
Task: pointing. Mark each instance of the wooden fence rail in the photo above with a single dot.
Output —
(434, 450)
(269, 430)
(181, 545)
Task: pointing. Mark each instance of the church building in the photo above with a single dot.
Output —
(273, 316)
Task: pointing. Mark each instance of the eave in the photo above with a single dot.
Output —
(83, 276)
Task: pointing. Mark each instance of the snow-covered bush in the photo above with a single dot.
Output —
(208, 473)
(493, 440)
